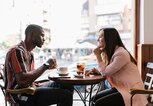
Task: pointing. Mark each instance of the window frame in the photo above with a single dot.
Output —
(136, 27)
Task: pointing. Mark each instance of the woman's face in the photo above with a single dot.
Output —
(101, 40)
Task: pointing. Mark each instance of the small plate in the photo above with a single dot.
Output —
(62, 74)
(57, 76)
(78, 76)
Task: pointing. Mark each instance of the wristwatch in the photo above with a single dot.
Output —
(47, 65)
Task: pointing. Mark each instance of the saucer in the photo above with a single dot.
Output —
(78, 76)
(62, 74)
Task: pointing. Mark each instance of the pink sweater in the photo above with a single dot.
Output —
(122, 74)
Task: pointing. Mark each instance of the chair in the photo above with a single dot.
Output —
(148, 85)
(2, 82)
(29, 90)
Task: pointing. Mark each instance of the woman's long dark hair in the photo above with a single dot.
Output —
(112, 39)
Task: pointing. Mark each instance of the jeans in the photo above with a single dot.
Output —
(51, 93)
(108, 97)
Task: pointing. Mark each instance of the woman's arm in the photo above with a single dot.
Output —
(117, 62)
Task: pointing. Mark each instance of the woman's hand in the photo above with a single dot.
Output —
(93, 71)
(97, 51)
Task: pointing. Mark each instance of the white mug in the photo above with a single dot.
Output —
(62, 70)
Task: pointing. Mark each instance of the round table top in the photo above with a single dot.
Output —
(72, 79)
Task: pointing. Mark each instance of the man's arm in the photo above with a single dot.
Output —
(25, 79)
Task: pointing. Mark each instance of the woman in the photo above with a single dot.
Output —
(119, 67)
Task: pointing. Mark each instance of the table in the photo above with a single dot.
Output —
(70, 79)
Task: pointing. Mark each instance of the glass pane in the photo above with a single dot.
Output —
(70, 26)
(118, 14)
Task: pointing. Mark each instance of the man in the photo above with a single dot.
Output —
(20, 73)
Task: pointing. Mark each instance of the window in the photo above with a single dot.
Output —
(76, 21)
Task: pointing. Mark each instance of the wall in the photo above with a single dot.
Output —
(146, 22)
(145, 48)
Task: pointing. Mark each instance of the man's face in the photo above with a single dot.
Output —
(38, 39)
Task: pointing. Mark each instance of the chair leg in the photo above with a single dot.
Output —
(131, 99)
(2, 89)
(5, 103)
(5, 100)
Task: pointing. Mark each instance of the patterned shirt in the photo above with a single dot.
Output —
(18, 60)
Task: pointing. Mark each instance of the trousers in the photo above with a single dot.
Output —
(108, 97)
(51, 93)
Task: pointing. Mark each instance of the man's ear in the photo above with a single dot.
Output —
(29, 34)
(33, 35)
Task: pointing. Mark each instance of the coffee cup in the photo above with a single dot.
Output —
(63, 70)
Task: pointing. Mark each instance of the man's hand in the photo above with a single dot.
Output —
(52, 63)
